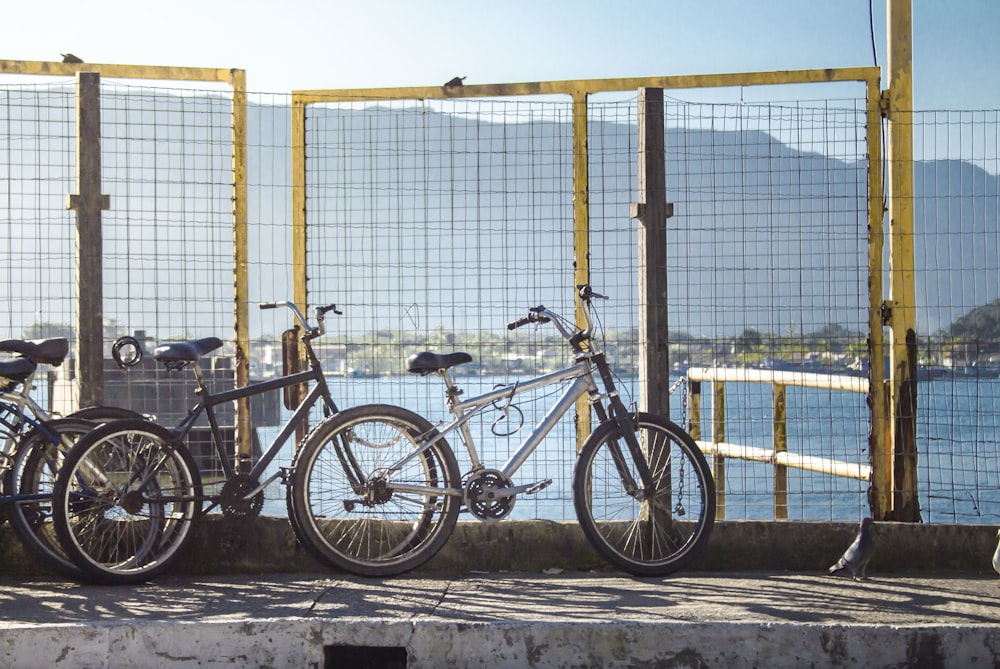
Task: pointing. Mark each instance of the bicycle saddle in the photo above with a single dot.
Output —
(15, 371)
(186, 351)
(47, 351)
(425, 363)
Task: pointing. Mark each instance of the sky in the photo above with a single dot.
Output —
(290, 45)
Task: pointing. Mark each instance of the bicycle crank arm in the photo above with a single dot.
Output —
(529, 489)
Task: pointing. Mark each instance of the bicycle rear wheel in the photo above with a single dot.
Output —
(648, 532)
(124, 502)
(352, 511)
(29, 482)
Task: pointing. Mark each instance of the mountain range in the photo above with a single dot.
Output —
(423, 218)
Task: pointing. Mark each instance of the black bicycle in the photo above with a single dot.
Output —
(130, 491)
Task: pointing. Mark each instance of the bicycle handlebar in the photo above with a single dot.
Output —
(585, 293)
(534, 317)
(318, 312)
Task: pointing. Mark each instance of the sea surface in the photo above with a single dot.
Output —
(957, 426)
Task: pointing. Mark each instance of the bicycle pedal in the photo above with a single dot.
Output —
(541, 485)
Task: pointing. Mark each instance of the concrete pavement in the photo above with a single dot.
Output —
(562, 619)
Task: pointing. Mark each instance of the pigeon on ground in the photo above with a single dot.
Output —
(70, 58)
(855, 559)
(455, 82)
(996, 555)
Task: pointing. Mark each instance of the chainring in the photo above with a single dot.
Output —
(481, 495)
(232, 498)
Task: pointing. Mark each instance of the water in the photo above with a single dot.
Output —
(958, 460)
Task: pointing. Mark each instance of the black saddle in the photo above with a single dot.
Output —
(15, 371)
(425, 363)
(184, 352)
(33, 353)
(45, 351)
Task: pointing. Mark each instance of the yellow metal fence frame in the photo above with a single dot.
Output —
(236, 79)
(579, 91)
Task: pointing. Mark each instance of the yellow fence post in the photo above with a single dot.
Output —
(780, 445)
(719, 436)
(900, 312)
(241, 287)
(581, 235)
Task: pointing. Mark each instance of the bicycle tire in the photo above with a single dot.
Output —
(367, 527)
(103, 414)
(124, 502)
(645, 538)
(29, 482)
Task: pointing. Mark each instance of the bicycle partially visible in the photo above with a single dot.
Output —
(130, 491)
(32, 444)
(380, 489)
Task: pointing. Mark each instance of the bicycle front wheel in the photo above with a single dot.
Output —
(124, 502)
(29, 483)
(652, 531)
(367, 498)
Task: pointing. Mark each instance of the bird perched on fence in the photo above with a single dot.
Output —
(996, 555)
(455, 82)
(70, 58)
(857, 556)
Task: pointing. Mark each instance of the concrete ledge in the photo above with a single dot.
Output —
(267, 544)
(430, 644)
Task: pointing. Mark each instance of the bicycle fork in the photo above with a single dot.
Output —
(626, 424)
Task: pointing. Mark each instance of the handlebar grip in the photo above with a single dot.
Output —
(530, 318)
(329, 307)
(268, 305)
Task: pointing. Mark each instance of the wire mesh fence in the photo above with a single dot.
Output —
(434, 223)
(957, 276)
(457, 215)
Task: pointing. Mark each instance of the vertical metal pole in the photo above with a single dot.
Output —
(879, 438)
(299, 290)
(299, 232)
(719, 436)
(581, 233)
(88, 202)
(900, 311)
(652, 211)
(780, 443)
(241, 298)
(694, 409)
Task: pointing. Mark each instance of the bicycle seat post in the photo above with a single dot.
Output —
(199, 378)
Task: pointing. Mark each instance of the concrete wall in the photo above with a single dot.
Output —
(268, 544)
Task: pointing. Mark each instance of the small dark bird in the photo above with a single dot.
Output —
(70, 58)
(857, 556)
(455, 83)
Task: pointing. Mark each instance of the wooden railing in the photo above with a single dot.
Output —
(719, 449)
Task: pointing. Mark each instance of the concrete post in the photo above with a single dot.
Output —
(88, 202)
(652, 211)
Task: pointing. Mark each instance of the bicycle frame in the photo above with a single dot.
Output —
(583, 383)
(15, 403)
(581, 372)
(209, 401)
